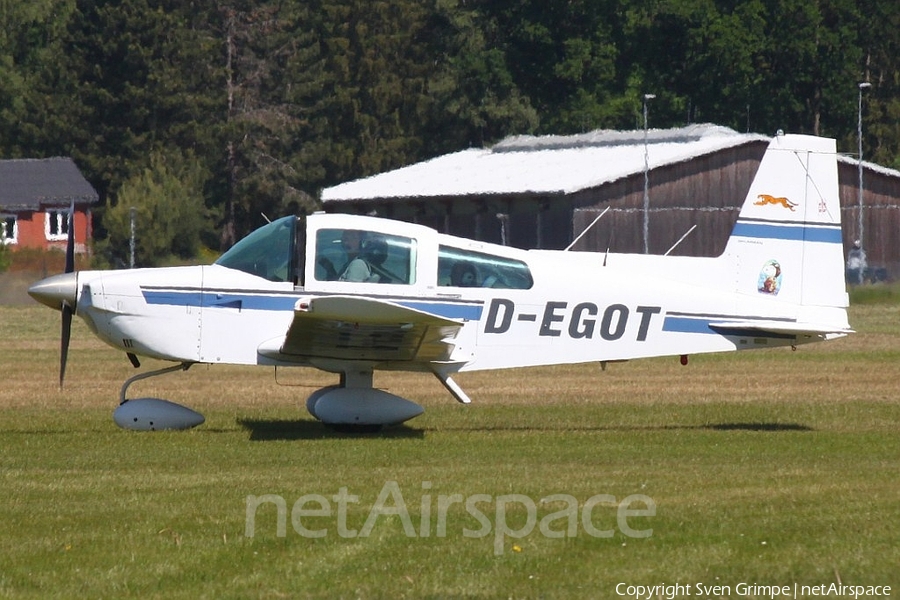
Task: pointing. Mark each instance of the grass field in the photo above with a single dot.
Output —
(766, 467)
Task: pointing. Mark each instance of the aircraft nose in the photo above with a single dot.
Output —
(55, 290)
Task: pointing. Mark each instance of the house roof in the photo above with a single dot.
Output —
(545, 165)
(28, 184)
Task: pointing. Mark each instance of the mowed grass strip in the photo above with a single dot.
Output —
(769, 466)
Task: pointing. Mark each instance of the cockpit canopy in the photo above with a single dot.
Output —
(365, 256)
(268, 252)
(360, 254)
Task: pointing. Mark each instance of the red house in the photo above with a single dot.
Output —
(35, 197)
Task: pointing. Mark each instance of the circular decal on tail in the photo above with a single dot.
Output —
(769, 278)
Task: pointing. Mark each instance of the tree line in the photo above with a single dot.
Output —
(206, 115)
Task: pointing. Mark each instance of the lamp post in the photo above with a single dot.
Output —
(862, 86)
(859, 228)
(132, 214)
(647, 98)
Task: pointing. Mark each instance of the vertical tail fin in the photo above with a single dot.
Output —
(787, 244)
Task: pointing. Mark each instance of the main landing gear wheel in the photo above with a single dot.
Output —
(356, 407)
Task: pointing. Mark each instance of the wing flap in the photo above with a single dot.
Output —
(354, 328)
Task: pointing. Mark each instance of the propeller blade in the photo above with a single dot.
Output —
(67, 308)
(65, 334)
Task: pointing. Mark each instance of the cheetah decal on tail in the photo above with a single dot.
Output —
(765, 199)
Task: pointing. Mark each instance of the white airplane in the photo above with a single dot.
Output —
(353, 294)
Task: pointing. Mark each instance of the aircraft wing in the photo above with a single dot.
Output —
(356, 328)
(778, 328)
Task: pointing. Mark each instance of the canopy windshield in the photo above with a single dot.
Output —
(268, 252)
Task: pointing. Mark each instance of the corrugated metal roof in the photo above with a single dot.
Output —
(868, 166)
(546, 165)
(26, 184)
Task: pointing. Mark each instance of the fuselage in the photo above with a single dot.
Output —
(521, 308)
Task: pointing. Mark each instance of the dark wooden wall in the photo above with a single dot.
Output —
(881, 215)
(705, 192)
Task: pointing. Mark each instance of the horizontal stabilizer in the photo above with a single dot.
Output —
(778, 328)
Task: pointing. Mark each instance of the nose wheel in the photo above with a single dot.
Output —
(154, 414)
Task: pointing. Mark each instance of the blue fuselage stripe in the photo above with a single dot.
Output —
(799, 232)
(469, 312)
(686, 325)
(196, 298)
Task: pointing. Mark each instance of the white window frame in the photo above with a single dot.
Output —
(7, 237)
(61, 216)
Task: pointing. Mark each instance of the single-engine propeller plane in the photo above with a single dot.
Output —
(354, 294)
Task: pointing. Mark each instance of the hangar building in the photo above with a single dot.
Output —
(543, 192)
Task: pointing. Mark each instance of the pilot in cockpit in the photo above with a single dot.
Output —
(363, 252)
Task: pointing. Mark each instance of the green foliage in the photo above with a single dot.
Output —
(563, 57)
(280, 99)
(474, 98)
(767, 466)
(875, 294)
(170, 215)
(30, 35)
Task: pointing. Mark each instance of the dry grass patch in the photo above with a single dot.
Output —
(769, 466)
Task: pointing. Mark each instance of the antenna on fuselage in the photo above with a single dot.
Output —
(681, 239)
(586, 229)
(609, 240)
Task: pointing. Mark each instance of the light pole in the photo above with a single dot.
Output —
(862, 86)
(132, 217)
(647, 98)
